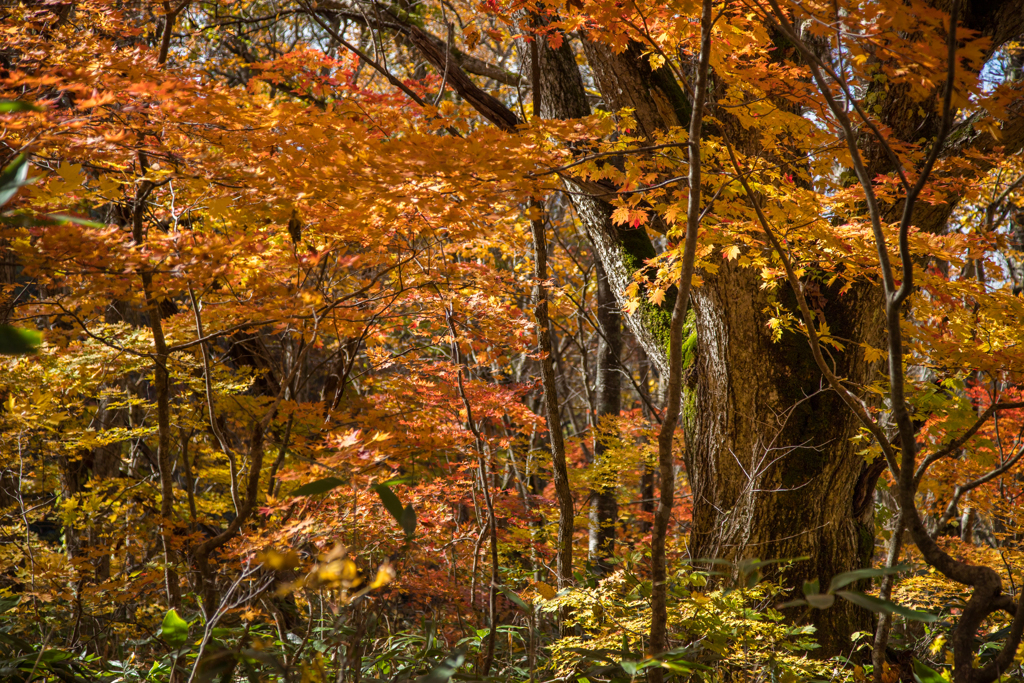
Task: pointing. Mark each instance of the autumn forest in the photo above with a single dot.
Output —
(610, 341)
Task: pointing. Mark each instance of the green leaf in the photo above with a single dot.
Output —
(16, 106)
(390, 501)
(846, 578)
(174, 629)
(791, 603)
(9, 603)
(631, 667)
(54, 656)
(395, 481)
(676, 661)
(516, 600)
(405, 516)
(812, 587)
(751, 564)
(683, 666)
(713, 560)
(408, 520)
(18, 341)
(443, 671)
(61, 219)
(13, 177)
(156, 671)
(885, 606)
(319, 486)
(926, 674)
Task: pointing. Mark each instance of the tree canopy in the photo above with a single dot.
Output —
(503, 340)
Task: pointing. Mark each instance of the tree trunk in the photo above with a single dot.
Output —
(566, 513)
(604, 509)
(743, 380)
(162, 389)
(772, 468)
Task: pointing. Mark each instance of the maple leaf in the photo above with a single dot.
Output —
(219, 206)
(108, 186)
(71, 175)
(620, 216)
(637, 218)
(871, 354)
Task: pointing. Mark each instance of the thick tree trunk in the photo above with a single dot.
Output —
(772, 468)
(621, 250)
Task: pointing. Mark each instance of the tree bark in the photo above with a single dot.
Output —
(765, 437)
(742, 380)
(563, 493)
(604, 509)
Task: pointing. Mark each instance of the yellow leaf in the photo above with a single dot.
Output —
(620, 215)
(349, 571)
(218, 206)
(338, 570)
(108, 186)
(871, 354)
(545, 591)
(385, 575)
(277, 561)
(72, 175)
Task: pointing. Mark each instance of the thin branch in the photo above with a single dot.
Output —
(957, 443)
(666, 436)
